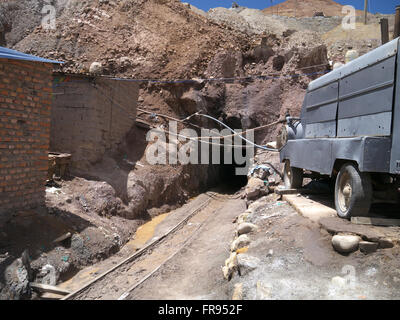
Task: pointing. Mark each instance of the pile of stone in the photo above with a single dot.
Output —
(349, 243)
(261, 180)
(240, 261)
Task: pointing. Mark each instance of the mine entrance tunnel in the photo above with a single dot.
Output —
(235, 155)
(230, 175)
(229, 178)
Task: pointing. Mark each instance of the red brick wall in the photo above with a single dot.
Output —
(25, 110)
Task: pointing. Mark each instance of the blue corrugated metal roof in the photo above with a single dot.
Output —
(6, 53)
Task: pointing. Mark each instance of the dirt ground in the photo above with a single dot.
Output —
(92, 238)
(291, 258)
(296, 260)
(209, 233)
(195, 273)
(293, 255)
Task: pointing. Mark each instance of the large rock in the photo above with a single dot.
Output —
(314, 56)
(16, 282)
(345, 243)
(243, 217)
(48, 275)
(368, 247)
(226, 64)
(247, 263)
(385, 243)
(260, 171)
(337, 65)
(195, 9)
(244, 228)
(238, 292)
(96, 68)
(351, 55)
(241, 242)
(194, 101)
(260, 53)
(254, 188)
(230, 266)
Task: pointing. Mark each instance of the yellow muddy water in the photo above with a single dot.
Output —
(146, 232)
(143, 234)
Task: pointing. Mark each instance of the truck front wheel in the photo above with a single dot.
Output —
(293, 177)
(353, 192)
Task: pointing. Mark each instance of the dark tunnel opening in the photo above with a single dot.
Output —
(229, 177)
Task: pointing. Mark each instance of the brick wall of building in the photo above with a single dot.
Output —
(25, 111)
(90, 117)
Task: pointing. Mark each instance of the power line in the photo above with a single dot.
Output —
(197, 139)
(214, 137)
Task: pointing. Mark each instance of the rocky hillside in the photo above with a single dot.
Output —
(308, 8)
(165, 39)
(19, 18)
(132, 38)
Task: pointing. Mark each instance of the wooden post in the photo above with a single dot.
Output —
(365, 11)
(384, 30)
(397, 23)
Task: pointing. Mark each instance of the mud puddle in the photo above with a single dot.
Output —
(143, 235)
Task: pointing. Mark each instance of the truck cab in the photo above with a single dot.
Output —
(349, 130)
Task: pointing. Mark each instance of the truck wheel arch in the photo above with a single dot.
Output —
(339, 164)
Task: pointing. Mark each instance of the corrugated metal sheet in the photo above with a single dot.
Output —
(6, 53)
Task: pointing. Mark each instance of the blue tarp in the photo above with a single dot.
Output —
(6, 53)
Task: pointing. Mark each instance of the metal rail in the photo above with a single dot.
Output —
(136, 285)
(211, 195)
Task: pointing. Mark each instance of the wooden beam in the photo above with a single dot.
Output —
(396, 32)
(376, 221)
(47, 288)
(63, 237)
(384, 30)
(365, 11)
(283, 192)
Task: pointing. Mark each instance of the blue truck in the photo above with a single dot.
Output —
(349, 132)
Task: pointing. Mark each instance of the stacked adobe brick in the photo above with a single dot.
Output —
(25, 111)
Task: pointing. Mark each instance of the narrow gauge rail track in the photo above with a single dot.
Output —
(119, 281)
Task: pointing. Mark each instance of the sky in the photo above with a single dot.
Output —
(381, 6)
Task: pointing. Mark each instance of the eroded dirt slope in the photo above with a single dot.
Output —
(307, 8)
(158, 39)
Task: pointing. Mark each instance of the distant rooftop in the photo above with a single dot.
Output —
(6, 53)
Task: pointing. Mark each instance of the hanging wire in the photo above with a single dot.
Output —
(199, 138)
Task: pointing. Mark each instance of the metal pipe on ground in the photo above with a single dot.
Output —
(397, 23)
(384, 30)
